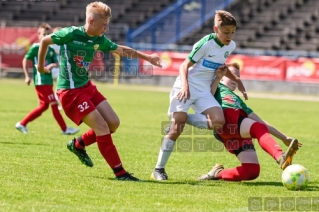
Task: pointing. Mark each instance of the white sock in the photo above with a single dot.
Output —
(197, 120)
(164, 153)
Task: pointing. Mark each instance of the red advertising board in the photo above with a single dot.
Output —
(260, 68)
(303, 70)
(170, 62)
(14, 44)
(16, 41)
(252, 68)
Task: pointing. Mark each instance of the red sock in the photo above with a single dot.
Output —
(110, 154)
(35, 113)
(267, 143)
(58, 117)
(86, 139)
(247, 171)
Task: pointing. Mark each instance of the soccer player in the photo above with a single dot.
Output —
(241, 125)
(43, 85)
(192, 86)
(80, 99)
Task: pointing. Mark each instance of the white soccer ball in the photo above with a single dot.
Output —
(295, 177)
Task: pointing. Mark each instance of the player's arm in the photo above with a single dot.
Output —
(183, 74)
(220, 72)
(272, 130)
(126, 51)
(25, 70)
(43, 48)
(241, 86)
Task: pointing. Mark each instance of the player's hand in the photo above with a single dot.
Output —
(242, 89)
(221, 71)
(155, 60)
(288, 140)
(42, 70)
(183, 94)
(50, 66)
(27, 80)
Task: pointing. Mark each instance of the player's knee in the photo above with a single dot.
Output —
(101, 127)
(44, 106)
(114, 125)
(216, 123)
(177, 128)
(251, 171)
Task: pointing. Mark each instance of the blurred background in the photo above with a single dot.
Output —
(277, 40)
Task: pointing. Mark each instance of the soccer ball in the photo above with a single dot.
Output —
(295, 177)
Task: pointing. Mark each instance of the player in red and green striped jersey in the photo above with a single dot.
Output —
(43, 85)
(241, 125)
(80, 99)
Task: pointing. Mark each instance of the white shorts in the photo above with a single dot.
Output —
(55, 72)
(199, 101)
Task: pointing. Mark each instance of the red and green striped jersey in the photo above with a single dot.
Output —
(51, 57)
(228, 99)
(76, 54)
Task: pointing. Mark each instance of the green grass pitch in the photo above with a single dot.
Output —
(38, 173)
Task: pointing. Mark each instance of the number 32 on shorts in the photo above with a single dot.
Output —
(83, 106)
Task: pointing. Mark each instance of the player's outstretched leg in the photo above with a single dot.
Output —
(212, 174)
(81, 153)
(286, 158)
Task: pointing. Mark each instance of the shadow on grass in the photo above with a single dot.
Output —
(262, 183)
(18, 143)
(172, 182)
(312, 188)
(180, 182)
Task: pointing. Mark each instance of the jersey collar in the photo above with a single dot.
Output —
(216, 40)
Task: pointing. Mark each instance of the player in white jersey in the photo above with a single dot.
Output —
(192, 86)
(56, 70)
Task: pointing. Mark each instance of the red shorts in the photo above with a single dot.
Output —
(233, 118)
(79, 102)
(230, 134)
(235, 146)
(45, 93)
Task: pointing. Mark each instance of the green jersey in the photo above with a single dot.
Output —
(51, 57)
(77, 50)
(228, 99)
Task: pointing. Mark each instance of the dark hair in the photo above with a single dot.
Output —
(45, 26)
(224, 18)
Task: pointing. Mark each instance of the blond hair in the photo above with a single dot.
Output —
(224, 18)
(236, 66)
(99, 9)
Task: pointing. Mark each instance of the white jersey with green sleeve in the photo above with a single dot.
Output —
(207, 55)
(76, 54)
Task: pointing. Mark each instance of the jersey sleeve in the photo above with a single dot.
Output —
(199, 50)
(218, 96)
(245, 107)
(62, 36)
(108, 45)
(31, 53)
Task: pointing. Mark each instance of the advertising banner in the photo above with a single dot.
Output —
(260, 68)
(303, 70)
(14, 44)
